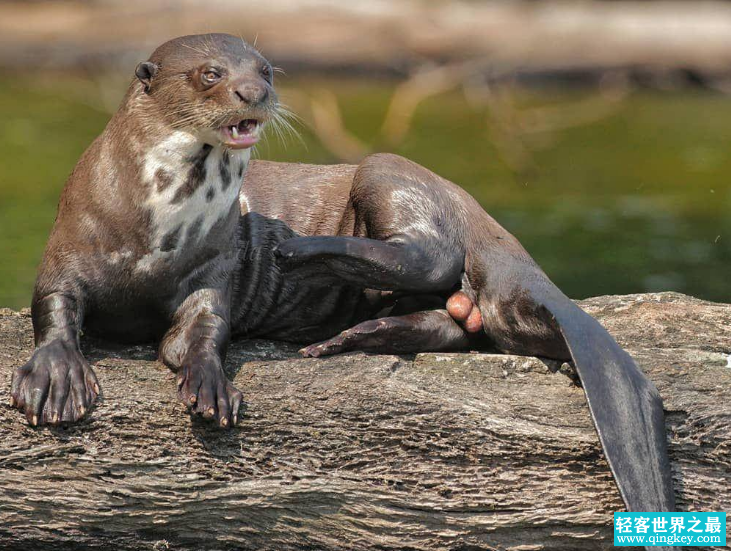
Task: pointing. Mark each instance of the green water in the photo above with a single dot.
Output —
(636, 201)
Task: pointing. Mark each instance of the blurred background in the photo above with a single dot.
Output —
(596, 132)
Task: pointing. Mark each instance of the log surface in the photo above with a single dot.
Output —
(436, 451)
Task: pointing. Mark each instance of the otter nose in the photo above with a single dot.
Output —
(252, 94)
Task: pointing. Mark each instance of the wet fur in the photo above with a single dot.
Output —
(143, 245)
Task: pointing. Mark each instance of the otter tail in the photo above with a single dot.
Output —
(625, 405)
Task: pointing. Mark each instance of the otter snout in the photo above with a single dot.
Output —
(250, 93)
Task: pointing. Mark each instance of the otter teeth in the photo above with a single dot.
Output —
(247, 128)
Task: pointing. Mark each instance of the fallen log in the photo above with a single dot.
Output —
(436, 451)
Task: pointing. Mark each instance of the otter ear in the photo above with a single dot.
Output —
(145, 71)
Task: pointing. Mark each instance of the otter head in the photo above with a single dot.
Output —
(213, 85)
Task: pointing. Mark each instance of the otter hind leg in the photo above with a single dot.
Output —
(428, 331)
(397, 264)
(399, 240)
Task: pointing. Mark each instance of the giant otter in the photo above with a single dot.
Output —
(156, 238)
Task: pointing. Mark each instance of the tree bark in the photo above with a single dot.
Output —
(437, 451)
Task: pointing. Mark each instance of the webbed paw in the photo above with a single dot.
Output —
(56, 386)
(205, 389)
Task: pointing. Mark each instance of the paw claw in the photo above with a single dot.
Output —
(57, 373)
(310, 352)
(205, 389)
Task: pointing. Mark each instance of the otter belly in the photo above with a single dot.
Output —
(300, 307)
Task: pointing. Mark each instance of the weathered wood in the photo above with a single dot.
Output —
(457, 451)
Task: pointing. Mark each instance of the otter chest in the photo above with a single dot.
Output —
(192, 187)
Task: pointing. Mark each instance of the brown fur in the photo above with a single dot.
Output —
(108, 267)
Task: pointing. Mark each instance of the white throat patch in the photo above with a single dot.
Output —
(192, 185)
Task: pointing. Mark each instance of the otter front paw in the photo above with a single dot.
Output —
(204, 388)
(56, 386)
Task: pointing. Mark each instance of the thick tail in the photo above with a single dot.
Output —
(624, 404)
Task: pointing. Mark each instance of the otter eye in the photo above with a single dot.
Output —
(210, 76)
(266, 72)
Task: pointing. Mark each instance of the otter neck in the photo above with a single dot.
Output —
(192, 183)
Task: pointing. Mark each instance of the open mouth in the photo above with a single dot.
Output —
(241, 135)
